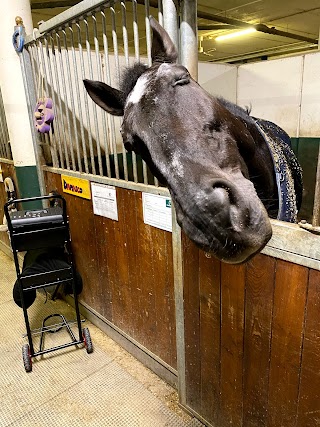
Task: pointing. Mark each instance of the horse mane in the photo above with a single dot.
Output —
(130, 76)
(236, 110)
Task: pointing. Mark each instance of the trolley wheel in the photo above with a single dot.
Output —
(87, 340)
(26, 357)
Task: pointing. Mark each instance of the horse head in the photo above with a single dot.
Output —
(191, 143)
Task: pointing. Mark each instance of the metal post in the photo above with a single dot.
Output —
(179, 307)
(170, 20)
(189, 37)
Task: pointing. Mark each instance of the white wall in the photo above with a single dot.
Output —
(218, 79)
(285, 91)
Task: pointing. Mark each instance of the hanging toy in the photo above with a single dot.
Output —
(43, 115)
(43, 112)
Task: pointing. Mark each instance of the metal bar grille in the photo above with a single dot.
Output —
(95, 41)
(5, 149)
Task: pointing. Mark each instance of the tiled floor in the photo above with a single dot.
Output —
(71, 388)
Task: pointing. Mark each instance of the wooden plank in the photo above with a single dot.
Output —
(260, 273)
(121, 300)
(190, 259)
(232, 329)
(309, 399)
(209, 269)
(147, 316)
(163, 293)
(286, 345)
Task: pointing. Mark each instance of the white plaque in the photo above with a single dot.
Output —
(157, 211)
(104, 200)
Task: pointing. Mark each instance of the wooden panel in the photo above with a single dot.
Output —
(286, 347)
(309, 402)
(209, 270)
(257, 341)
(127, 269)
(232, 329)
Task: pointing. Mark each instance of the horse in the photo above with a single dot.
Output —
(225, 170)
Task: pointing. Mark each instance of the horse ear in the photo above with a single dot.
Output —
(163, 49)
(110, 99)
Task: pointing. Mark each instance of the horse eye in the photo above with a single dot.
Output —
(182, 80)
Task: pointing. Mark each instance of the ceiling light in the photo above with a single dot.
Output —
(236, 34)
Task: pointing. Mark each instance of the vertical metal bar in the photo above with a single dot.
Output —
(137, 58)
(148, 40)
(179, 307)
(316, 203)
(148, 31)
(108, 80)
(48, 137)
(95, 114)
(65, 154)
(31, 101)
(5, 151)
(135, 30)
(116, 59)
(2, 139)
(72, 105)
(71, 91)
(79, 104)
(56, 137)
(6, 132)
(189, 37)
(68, 141)
(170, 18)
(86, 104)
(126, 55)
(160, 12)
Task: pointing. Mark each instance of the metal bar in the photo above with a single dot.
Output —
(59, 120)
(97, 51)
(69, 142)
(72, 14)
(316, 203)
(76, 77)
(59, 347)
(86, 104)
(49, 137)
(6, 138)
(189, 37)
(31, 101)
(160, 12)
(107, 118)
(179, 307)
(170, 17)
(148, 40)
(126, 56)
(137, 58)
(70, 86)
(62, 124)
(129, 185)
(116, 59)
(56, 138)
(2, 142)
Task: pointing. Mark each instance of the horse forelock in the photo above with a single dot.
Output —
(130, 76)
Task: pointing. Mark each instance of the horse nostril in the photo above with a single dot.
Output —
(220, 196)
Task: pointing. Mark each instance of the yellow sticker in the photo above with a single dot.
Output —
(76, 186)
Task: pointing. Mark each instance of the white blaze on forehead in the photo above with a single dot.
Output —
(138, 91)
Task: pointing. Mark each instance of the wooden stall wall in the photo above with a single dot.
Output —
(252, 341)
(7, 171)
(127, 269)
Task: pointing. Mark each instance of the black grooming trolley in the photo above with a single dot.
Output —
(42, 229)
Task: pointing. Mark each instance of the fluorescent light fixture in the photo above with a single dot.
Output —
(236, 34)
